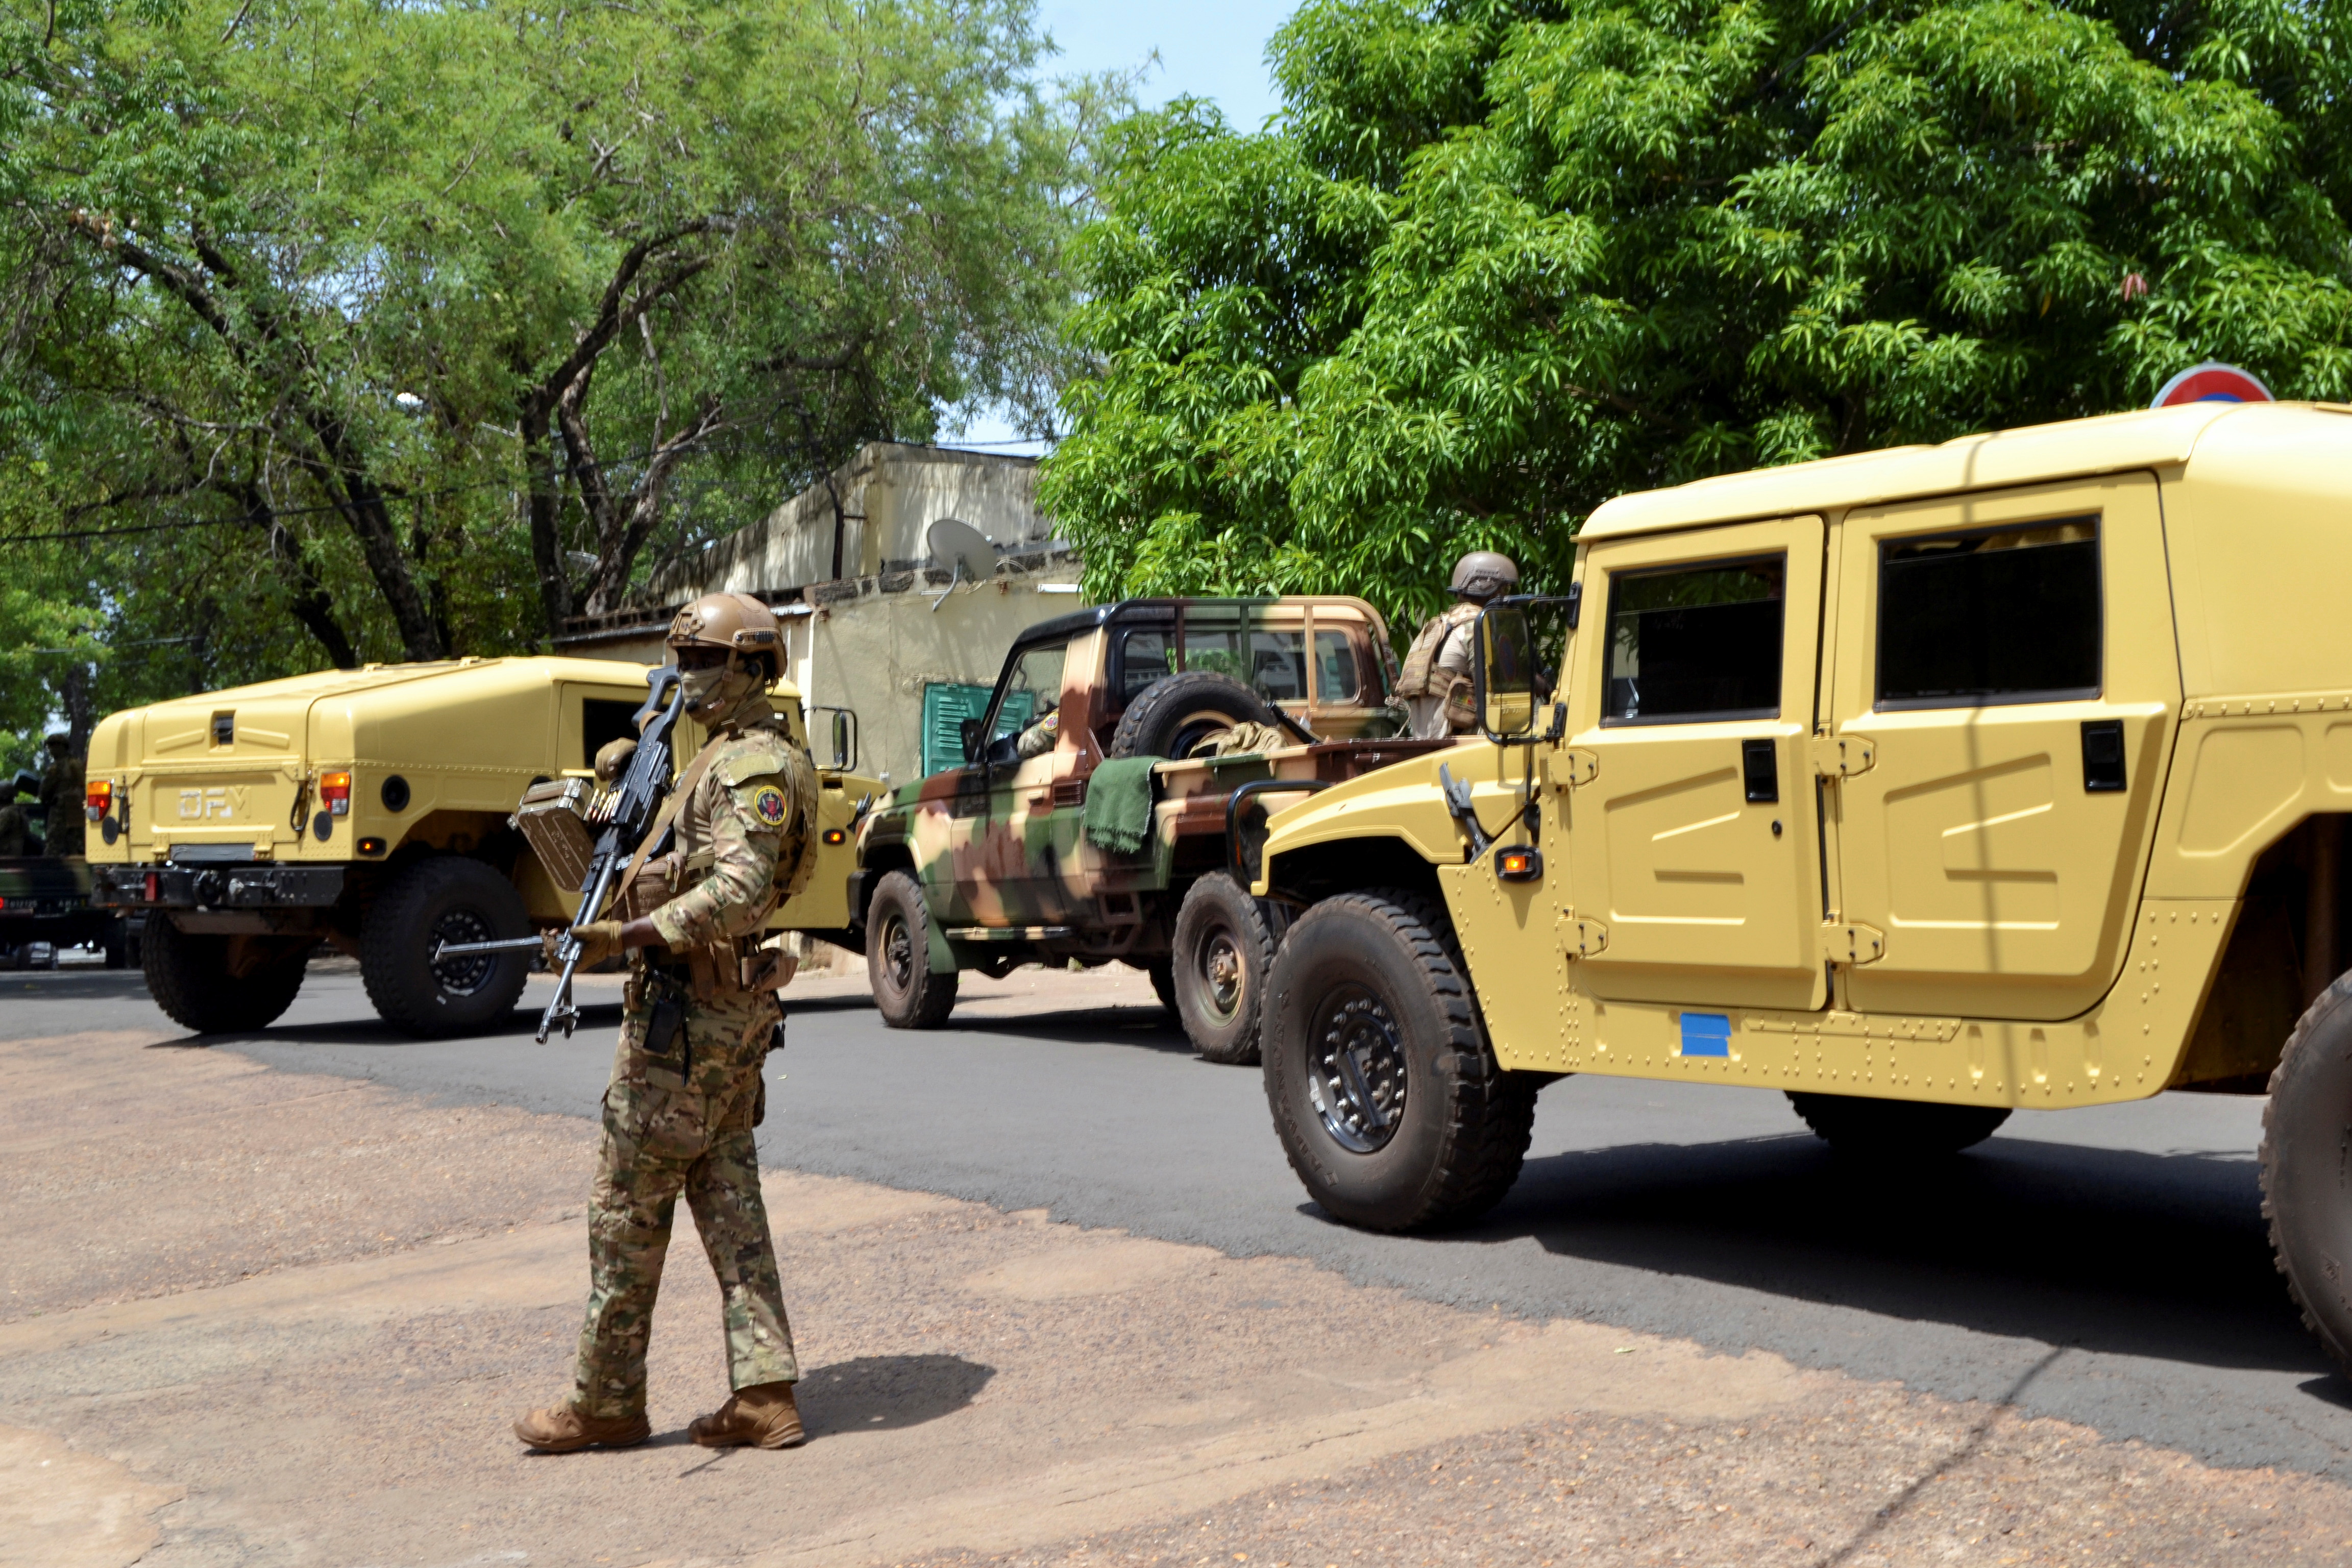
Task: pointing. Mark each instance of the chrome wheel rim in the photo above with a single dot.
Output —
(465, 975)
(1356, 1069)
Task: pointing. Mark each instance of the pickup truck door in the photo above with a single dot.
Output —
(1695, 866)
(2006, 685)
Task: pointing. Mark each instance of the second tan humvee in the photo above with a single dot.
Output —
(1924, 786)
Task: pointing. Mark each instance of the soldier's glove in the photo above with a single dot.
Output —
(612, 759)
(598, 942)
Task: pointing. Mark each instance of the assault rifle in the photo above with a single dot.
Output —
(624, 813)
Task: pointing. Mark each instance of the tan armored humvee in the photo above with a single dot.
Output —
(368, 810)
(1924, 786)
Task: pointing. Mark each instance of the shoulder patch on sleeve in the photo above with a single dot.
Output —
(751, 757)
(768, 804)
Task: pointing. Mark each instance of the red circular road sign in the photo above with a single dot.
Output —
(2212, 382)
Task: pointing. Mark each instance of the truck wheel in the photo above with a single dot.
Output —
(899, 957)
(1175, 715)
(445, 899)
(1384, 1093)
(188, 977)
(1895, 1128)
(2306, 1127)
(1223, 950)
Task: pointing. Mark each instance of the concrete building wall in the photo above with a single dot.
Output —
(877, 652)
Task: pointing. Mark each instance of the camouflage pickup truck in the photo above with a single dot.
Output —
(1083, 827)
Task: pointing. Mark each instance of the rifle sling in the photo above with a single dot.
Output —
(670, 808)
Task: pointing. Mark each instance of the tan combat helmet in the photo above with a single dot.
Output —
(746, 631)
(737, 622)
(1482, 575)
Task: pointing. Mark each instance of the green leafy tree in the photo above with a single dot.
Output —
(371, 331)
(1514, 260)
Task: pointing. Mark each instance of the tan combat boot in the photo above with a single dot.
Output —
(561, 1429)
(763, 1413)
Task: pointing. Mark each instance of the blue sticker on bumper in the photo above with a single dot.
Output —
(1706, 1035)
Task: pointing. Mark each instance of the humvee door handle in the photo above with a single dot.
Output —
(1843, 756)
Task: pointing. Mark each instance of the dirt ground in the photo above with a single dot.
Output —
(260, 1318)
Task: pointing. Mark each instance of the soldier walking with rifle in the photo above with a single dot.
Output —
(700, 1015)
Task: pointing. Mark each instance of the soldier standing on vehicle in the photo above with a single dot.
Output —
(700, 1014)
(15, 825)
(1435, 685)
(61, 798)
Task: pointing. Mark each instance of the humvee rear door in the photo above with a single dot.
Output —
(2007, 661)
(1693, 845)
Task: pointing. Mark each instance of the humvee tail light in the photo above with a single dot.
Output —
(835, 836)
(335, 790)
(371, 845)
(97, 798)
(1520, 865)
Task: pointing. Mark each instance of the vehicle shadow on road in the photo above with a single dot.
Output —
(375, 1032)
(1153, 1028)
(883, 1393)
(2135, 1254)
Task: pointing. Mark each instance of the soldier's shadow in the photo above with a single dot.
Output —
(882, 1393)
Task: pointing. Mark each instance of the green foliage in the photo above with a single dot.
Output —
(1496, 263)
(342, 331)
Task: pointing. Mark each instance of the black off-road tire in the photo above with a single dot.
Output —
(445, 899)
(1896, 1130)
(899, 957)
(1381, 967)
(1224, 951)
(1175, 715)
(2306, 1184)
(188, 975)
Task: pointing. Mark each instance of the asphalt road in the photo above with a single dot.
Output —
(2106, 1266)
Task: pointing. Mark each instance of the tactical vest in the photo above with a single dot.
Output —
(1421, 659)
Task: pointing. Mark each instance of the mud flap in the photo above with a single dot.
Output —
(943, 959)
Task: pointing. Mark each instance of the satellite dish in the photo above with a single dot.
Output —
(964, 551)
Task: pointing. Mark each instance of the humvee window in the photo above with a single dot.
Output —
(1335, 668)
(1688, 643)
(1997, 615)
(601, 719)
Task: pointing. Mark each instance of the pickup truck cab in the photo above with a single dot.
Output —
(371, 810)
(1924, 786)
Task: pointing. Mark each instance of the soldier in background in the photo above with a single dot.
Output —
(61, 798)
(16, 824)
(1436, 684)
(700, 1014)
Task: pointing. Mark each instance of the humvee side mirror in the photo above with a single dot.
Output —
(1505, 672)
(974, 739)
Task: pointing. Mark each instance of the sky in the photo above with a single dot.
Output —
(1209, 48)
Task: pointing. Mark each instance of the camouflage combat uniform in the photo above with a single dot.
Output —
(680, 1119)
(1434, 685)
(61, 794)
